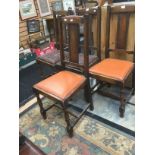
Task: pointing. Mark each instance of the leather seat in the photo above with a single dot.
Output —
(113, 69)
(61, 85)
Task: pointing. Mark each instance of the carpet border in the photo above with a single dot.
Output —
(107, 122)
(26, 100)
(94, 116)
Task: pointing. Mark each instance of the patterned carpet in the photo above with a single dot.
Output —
(91, 137)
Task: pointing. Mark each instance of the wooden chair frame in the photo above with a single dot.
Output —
(93, 12)
(120, 47)
(57, 14)
(73, 23)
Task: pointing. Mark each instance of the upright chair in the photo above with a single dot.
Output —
(63, 85)
(112, 70)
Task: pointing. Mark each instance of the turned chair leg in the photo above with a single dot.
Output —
(88, 95)
(91, 103)
(90, 99)
(122, 103)
(42, 111)
(69, 128)
(86, 89)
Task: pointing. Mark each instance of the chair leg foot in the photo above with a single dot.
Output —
(122, 103)
(43, 113)
(69, 128)
(133, 92)
(91, 107)
(122, 108)
(86, 94)
(70, 131)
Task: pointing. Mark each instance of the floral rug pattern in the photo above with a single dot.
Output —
(91, 137)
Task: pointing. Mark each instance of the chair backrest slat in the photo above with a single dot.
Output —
(122, 31)
(94, 13)
(74, 39)
(122, 13)
(72, 24)
(56, 15)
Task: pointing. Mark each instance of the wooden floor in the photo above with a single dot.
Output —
(27, 148)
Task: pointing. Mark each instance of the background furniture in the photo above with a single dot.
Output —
(26, 59)
(50, 26)
(36, 38)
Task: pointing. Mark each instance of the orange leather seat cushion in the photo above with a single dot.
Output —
(61, 85)
(113, 69)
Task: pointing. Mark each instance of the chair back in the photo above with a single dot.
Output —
(57, 14)
(122, 13)
(72, 25)
(94, 15)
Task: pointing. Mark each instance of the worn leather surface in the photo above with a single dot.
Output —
(61, 85)
(113, 69)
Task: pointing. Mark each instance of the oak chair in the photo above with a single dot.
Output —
(64, 84)
(111, 70)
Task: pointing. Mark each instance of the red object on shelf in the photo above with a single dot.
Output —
(39, 52)
(52, 46)
(48, 49)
